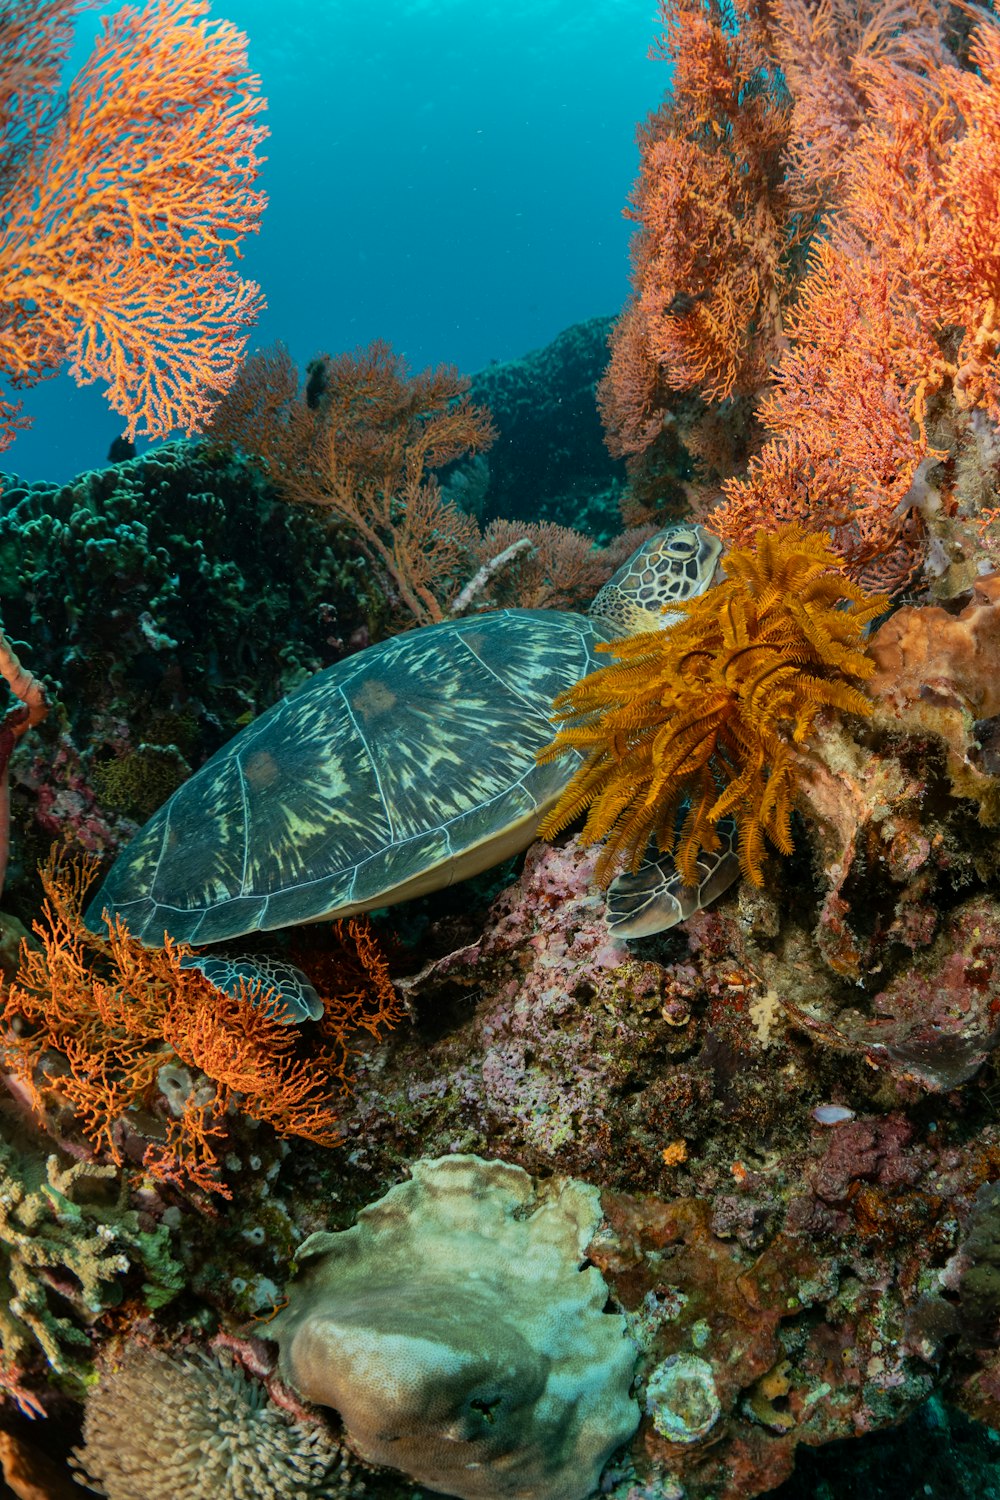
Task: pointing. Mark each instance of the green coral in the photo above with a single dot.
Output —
(68, 1241)
(169, 576)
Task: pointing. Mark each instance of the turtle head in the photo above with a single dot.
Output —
(677, 563)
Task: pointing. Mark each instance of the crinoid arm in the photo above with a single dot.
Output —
(710, 711)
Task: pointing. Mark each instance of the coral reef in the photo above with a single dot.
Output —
(700, 721)
(549, 461)
(127, 1022)
(215, 599)
(774, 1254)
(71, 1249)
(461, 1337)
(812, 270)
(360, 443)
(652, 1218)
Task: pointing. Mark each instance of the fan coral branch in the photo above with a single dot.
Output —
(117, 1014)
(118, 212)
(710, 261)
(708, 711)
(898, 307)
(360, 443)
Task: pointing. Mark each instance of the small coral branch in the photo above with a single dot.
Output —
(121, 1018)
(121, 207)
(709, 711)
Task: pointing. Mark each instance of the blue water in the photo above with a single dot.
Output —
(445, 174)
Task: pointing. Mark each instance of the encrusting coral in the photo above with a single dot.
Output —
(122, 1017)
(161, 1426)
(709, 711)
(462, 1335)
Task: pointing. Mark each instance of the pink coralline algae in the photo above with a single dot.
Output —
(786, 1275)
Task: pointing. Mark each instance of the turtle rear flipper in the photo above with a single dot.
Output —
(655, 897)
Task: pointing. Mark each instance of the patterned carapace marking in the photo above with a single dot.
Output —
(382, 765)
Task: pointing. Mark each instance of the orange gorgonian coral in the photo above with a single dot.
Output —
(98, 1026)
(900, 305)
(119, 207)
(710, 259)
(736, 168)
(360, 442)
(709, 711)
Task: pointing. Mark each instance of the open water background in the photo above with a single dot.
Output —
(445, 174)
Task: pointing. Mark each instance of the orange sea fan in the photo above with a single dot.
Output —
(897, 319)
(93, 1024)
(710, 256)
(846, 450)
(120, 206)
(360, 442)
(708, 712)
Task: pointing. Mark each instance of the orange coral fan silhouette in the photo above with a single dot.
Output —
(360, 442)
(91, 1023)
(118, 209)
(709, 711)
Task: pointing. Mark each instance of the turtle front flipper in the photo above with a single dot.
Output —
(257, 975)
(655, 897)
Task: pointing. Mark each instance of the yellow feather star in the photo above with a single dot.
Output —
(709, 710)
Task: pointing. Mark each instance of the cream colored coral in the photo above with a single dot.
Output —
(463, 1338)
(174, 1426)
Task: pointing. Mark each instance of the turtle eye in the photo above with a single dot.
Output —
(682, 544)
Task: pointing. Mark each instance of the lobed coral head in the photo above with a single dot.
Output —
(463, 1338)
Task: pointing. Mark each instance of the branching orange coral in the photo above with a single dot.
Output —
(846, 452)
(360, 441)
(709, 711)
(834, 57)
(900, 305)
(710, 260)
(95, 1024)
(119, 210)
(737, 167)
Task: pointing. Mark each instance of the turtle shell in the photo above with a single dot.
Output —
(397, 771)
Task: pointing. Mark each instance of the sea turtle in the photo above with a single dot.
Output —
(398, 771)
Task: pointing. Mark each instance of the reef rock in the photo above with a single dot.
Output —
(461, 1336)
